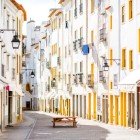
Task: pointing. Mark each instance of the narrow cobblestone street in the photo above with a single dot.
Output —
(38, 126)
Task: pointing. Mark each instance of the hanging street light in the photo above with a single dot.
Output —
(105, 66)
(15, 42)
(32, 74)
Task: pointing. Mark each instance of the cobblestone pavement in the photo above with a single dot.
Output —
(38, 126)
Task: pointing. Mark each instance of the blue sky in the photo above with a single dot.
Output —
(38, 9)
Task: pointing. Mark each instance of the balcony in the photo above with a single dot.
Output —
(80, 75)
(91, 80)
(80, 42)
(103, 34)
(81, 8)
(48, 65)
(75, 45)
(75, 79)
(58, 61)
(13, 73)
(75, 12)
(3, 70)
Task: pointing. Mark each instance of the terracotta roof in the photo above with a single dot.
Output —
(60, 1)
(52, 11)
(20, 7)
(58, 13)
(48, 24)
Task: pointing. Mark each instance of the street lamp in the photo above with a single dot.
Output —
(15, 42)
(32, 74)
(105, 66)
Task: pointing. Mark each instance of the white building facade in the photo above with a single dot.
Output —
(12, 16)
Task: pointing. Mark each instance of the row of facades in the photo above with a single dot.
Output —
(90, 64)
(12, 16)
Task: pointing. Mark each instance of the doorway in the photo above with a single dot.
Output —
(73, 105)
(131, 110)
(138, 101)
(81, 105)
(116, 110)
(89, 106)
(28, 105)
(84, 106)
(105, 108)
(10, 107)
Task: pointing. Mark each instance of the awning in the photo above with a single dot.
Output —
(130, 81)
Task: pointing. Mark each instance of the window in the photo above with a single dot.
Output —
(17, 64)
(130, 59)
(20, 28)
(17, 26)
(7, 62)
(69, 52)
(75, 3)
(59, 52)
(130, 9)
(81, 32)
(65, 52)
(139, 40)
(81, 67)
(8, 21)
(13, 24)
(92, 6)
(123, 58)
(75, 34)
(69, 76)
(110, 22)
(65, 78)
(111, 56)
(92, 36)
(115, 80)
(59, 22)
(123, 13)
(81, 6)
(75, 68)
(69, 15)
(59, 76)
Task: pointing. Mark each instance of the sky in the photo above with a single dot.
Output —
(37, 10)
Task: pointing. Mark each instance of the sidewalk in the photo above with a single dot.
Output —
(19, 131)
